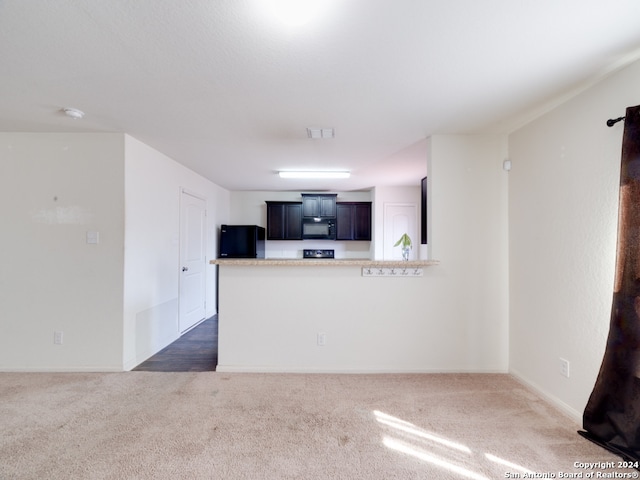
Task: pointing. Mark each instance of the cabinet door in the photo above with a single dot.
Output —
(362, 221)
(284, 221)
(310, 206)
(327, 205)
(344, 222)
(293, 221)
(275, 221)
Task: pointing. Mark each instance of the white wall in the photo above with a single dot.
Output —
(56, 187)
(563, 223)
(152, 191)
(114, 301)
(249, 208)
(468, 235)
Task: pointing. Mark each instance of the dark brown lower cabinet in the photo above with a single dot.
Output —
(353, 221)
(284, 220)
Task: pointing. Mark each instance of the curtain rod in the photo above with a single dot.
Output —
(611, 122)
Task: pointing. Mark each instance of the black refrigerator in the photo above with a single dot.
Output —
(242, 241)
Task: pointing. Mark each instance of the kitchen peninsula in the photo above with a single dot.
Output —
(333, 262)
(328, 315)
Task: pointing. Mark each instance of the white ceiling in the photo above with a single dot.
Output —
(227, 89)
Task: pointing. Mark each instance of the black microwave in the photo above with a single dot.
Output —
(317, 228)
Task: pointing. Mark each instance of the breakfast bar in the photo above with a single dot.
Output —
(328, 315)
(324, 262)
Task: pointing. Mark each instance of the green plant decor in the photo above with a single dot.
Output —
(405, 241)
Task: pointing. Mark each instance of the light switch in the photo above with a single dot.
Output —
(93, 237)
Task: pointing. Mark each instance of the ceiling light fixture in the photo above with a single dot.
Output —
(321, 132)
(296, 13)
(73, 113)
(308, 174)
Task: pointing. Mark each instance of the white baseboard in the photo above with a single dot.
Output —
(562, 406)
(62, 370)
(362, 371)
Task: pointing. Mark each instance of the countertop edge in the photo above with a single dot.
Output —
(325, 262)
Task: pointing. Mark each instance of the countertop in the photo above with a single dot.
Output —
(324, 262)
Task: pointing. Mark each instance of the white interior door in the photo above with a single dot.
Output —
(400, 218)
(192, 296)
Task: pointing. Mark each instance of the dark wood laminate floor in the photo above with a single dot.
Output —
(195, 351)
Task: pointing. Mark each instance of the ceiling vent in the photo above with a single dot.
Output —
(321, 133)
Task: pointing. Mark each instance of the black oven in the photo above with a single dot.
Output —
(318, 228)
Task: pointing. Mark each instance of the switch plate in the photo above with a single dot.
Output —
(57, 338)
(93, 237)
(564, 367)
(322, 339)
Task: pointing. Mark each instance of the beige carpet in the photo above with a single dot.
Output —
(142, 425)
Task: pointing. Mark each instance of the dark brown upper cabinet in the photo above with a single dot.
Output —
(319, 205)
(353, 221)
(284, 220)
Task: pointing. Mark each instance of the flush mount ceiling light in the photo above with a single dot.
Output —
(73, 113)
(321, 132)
(303, 174)
(296, 13)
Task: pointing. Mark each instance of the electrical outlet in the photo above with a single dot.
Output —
(322, 339)
(57, 338)
(564, 367)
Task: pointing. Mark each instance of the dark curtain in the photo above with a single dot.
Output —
(612, 415)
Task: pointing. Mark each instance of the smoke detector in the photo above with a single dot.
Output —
(73, 113)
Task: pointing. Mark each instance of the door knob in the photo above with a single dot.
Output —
(184, 269)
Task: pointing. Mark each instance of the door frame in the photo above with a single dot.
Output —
(181, 286)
